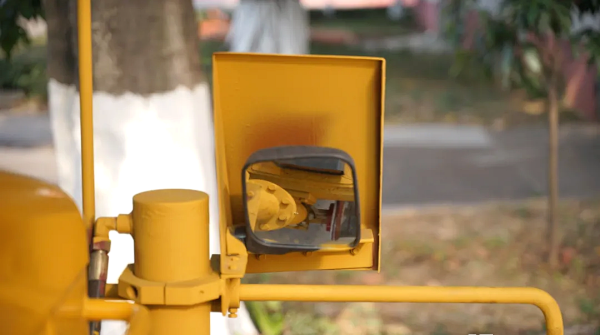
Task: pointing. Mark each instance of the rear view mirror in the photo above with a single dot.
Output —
(300, 198)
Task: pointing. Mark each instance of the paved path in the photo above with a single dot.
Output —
(437, 164)
(423, 164)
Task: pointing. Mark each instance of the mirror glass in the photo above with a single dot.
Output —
(307, 202)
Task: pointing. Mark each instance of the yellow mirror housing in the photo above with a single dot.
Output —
(263, 101)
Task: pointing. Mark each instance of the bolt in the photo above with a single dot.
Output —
(271, 188)
(232, 267)
(260, 257)
(264, 226)
(307, 253)
(353, 251)
(285, 202)
(283, 217)
(250, 194)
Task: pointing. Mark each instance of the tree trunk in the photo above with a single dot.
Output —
(553, 238)
(152, 114)
(269, 26)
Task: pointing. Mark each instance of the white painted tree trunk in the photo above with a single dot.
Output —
(269, 26)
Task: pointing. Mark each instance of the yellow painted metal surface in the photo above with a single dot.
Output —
(329, 260)
(324, 186)
(416, 294)
(137, 315)
(262, 101)
(170, 230)
(270, 207)
(84, 45)
(43, 264)
(43, 256)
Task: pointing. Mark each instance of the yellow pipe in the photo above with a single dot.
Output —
(419, 294)
(102, 227)
(84, 41)
(136, 315)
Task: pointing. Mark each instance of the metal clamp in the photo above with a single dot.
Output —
(184, 293)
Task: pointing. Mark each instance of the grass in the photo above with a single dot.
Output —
(490, 245)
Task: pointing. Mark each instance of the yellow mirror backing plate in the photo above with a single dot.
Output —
(262, 101)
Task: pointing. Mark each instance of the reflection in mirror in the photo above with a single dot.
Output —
(308, 202)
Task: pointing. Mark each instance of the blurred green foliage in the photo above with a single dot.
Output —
(268, 316)
(514, 45)
(272, 318)
(366, 22)
(21, 68)
(12, 33)
(303, 323)
(26, 73)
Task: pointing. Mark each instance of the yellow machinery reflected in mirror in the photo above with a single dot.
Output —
(301, 198)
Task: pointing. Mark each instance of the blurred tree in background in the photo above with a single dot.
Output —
(12, 16)
(523, 46)
(24, 73)
(272, 26)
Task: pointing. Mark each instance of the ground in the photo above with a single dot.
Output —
(497, 244)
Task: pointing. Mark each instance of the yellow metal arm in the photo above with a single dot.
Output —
(136, 315)
(103, 226)
(355, 293)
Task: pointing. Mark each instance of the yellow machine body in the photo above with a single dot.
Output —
(43, 257)
(271, 207)
(44, 264)
(263, 101)
(306, 186)
(298, 188)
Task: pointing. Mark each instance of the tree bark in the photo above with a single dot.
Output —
(152, 115)
(553, 60)
(269, 26)
(553, 123)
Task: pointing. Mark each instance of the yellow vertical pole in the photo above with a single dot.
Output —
(84, 44)
(170, 228)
